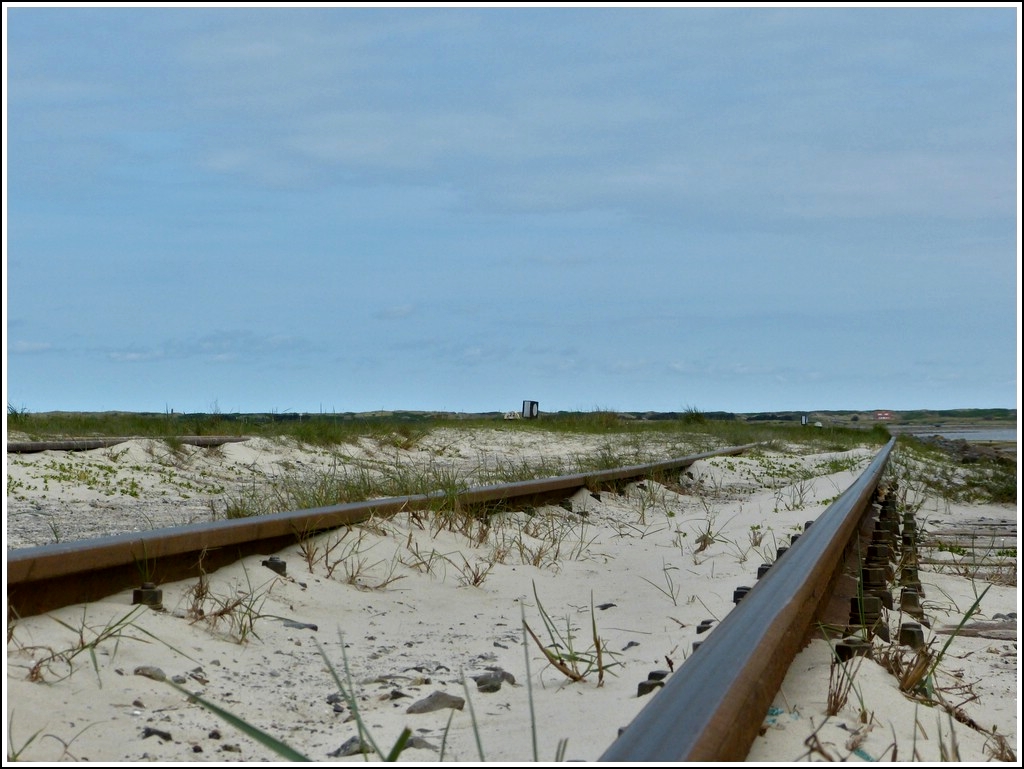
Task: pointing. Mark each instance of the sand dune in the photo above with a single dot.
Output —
(411, 613)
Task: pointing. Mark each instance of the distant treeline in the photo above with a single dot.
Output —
(199, 423)
(981, 414)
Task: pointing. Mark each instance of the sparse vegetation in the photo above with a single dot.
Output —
(546, 537)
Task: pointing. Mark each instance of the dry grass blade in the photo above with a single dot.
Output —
(839, 684)
(555, 661)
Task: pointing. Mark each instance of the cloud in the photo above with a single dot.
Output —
(22, 347)
(222, 347)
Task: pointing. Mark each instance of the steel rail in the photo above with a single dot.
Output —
(712, 708)
(85, 444)
(44, 578)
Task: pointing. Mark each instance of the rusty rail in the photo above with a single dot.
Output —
(85, 444)
(712, 708)
(40, 579)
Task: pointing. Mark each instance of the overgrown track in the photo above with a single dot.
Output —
(712, 708)
(85, 444)
(40, 579)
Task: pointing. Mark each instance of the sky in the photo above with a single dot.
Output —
(343, 209)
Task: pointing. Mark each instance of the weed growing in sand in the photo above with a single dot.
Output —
(646, 498)
(15, 754)
(472, 575)
(240, 610)
(421, 561)
(795, 496)
(350, 555)
(708, 533)
(840, 683)
(58, 664)
(562, 654)
(671, 590)
(309, 548)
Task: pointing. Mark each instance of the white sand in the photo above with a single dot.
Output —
(399, 607)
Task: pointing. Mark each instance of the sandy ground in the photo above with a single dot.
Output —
(386, 620)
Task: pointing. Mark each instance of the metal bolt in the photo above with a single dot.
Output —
(852, 647)
(910, 601)
(911, 635)
(276, 564)
(739, 593)
(149, 595)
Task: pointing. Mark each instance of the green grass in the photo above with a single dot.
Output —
(692, 431)
(404, 429)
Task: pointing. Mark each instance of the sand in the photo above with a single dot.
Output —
(404, 612)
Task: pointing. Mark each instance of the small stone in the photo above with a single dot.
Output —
(179, 679)
(657, 675)
(149, 671)
(646, 687)
(492, 680)
(350, 747)
(149, 731)
(505, 675)
(630, 645)
(300, 625)
(419, 743)
(437, 701)
(603, 606)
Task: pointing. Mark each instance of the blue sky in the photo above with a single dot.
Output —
(348, 209)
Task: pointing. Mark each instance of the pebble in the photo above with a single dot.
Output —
(350, 747)
(437, 701)
(492, 680)
(150, 671)
(419, 743)
(646, 687)
(300, 625)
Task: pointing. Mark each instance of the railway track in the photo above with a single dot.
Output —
(86, 444)
(713, 706)
(710, 709)
(40, 579)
